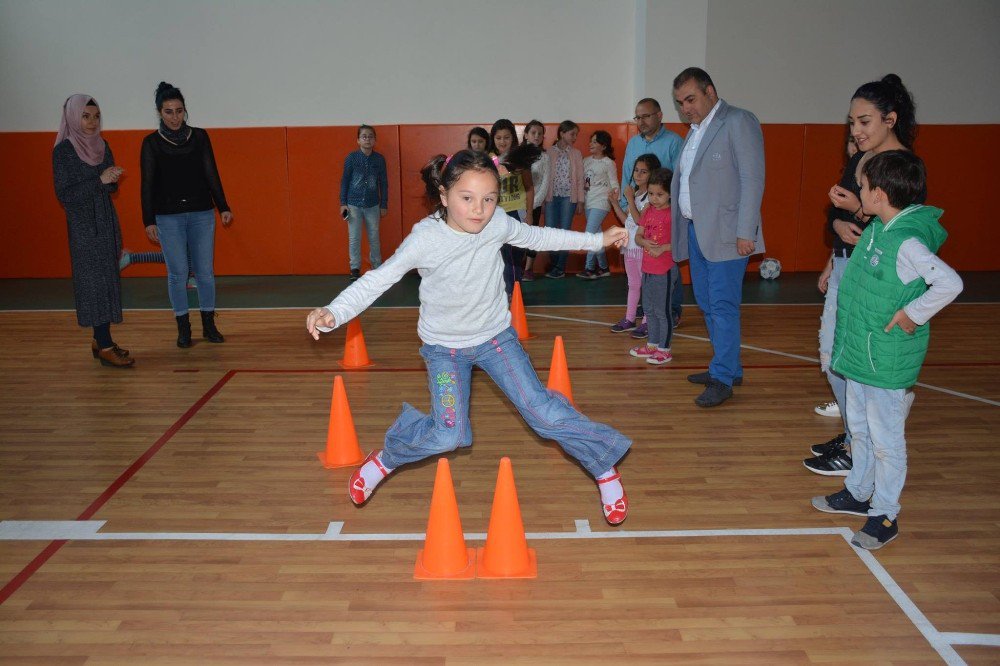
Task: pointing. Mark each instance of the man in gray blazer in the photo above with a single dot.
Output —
(716, 193)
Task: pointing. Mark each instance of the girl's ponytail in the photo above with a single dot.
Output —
(433, 173)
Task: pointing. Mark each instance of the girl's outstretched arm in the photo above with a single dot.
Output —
(358, 296)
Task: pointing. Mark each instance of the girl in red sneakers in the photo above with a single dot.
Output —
(464, 322)
(653, 236)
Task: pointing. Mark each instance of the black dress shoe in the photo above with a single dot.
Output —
(714, 394)
(705, 379)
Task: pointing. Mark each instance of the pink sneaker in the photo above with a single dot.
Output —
(643, 351)
(660, 356)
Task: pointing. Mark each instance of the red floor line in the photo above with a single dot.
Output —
(28, 571)
(612, 368)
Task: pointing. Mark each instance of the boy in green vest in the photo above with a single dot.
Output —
(892, 286)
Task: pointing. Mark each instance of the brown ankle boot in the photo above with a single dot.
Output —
(95, 350)
(115, 357)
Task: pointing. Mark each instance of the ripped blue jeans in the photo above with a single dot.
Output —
(415, 435)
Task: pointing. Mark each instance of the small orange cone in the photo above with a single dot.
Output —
(559, 372)
(517, 317)
(444, 555)
(506, 554)
(355, 352)
(342, 448)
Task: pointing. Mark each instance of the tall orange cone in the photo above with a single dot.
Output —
(518, 319)
(506, 554)
(342, 448)
(559, 372)
(355, 352)
(444, 555)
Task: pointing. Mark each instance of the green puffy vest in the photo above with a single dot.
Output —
(869, 295)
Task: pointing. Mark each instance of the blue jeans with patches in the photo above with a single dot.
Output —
(415, 435)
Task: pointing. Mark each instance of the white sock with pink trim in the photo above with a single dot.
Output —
(374, 471)
(611, 491)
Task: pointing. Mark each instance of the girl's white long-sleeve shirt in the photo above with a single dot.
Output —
(540, 176)
(462, 297)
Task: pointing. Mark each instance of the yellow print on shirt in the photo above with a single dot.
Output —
(512, 194)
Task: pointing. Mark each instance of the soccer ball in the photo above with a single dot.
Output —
(770, 268)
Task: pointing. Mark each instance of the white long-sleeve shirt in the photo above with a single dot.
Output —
(462, 298)
(913, 260)
(540, 176)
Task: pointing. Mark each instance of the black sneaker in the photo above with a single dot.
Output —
(842, 502)
(837, 463)
(705, 378)
(877, 532)
(838, 443)
(555, 274)
(714, 394)
(355, 274)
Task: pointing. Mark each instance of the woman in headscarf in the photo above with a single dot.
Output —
(85, 175)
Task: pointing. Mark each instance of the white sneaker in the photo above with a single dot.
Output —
(828, 409)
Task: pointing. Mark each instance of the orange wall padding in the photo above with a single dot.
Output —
(283, 184)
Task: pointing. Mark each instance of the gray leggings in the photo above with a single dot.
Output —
(656, 300)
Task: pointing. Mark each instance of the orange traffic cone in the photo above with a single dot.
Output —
(506, 554)
(355, 352)
(559, 372)
(444, 555)
(517, 317)
(342, 448)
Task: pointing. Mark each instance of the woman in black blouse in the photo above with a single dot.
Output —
(85, 176)
(180, 189)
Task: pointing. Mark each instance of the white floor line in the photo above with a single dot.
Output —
(919, 620)
(89, 530)
(958, 638)
(764, 350)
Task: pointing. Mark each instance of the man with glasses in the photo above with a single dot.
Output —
(653, 138)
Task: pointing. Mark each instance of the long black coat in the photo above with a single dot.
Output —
(95, 239)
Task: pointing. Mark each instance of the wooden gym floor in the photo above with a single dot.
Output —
(175, 513)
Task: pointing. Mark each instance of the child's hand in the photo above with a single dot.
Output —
(502, 170)
(655, 250)
(902, 320)
(630, 194)
(614, 195)
(615, 236)
(824, 277)
(319, 317)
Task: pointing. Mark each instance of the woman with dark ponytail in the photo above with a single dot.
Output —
(464, 322)
(180, 188)
(882, 117)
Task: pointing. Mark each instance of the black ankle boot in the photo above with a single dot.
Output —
(183, 331)
(208, 329)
